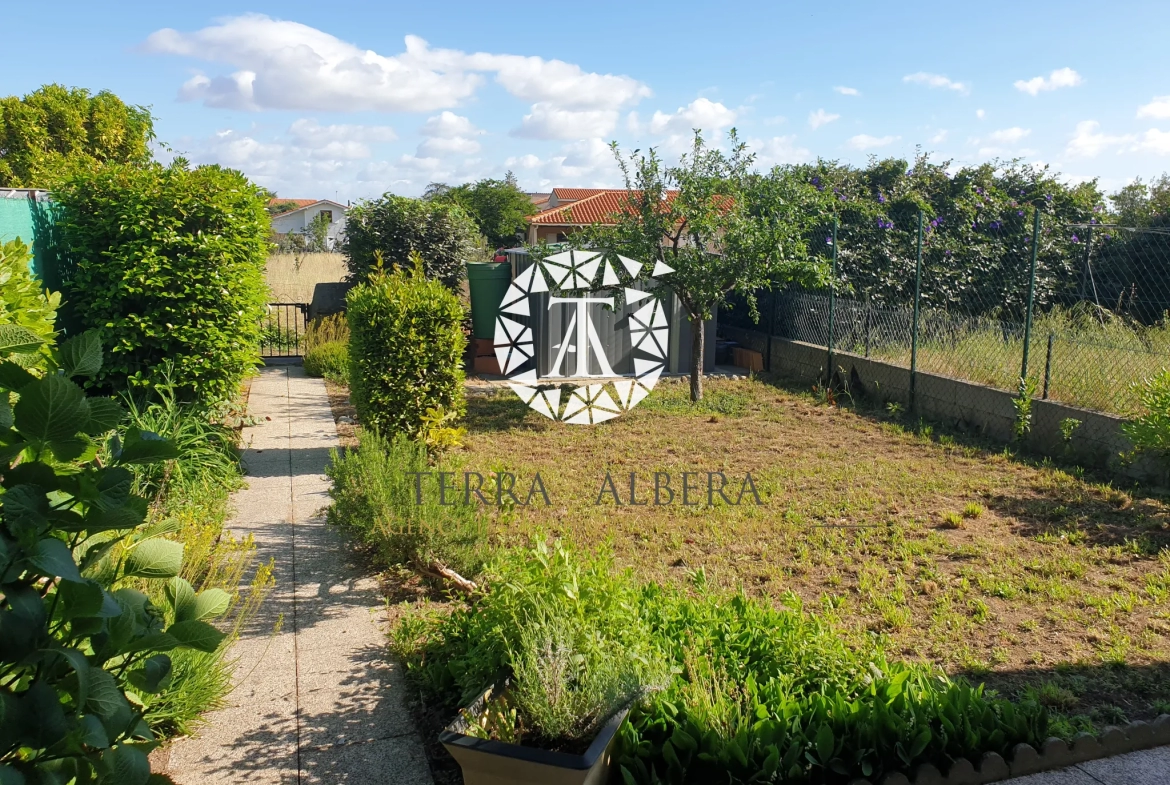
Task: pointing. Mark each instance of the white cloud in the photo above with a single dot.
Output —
(821, 117)
(867, 142)
(338, 141)
(439, 147)
(778, 150)
(288, 65)
(1088, 142)
(703, 113)
(586, 163)
(448, 134)
(1154, 141)
(936, 80)
(938, 138)
(448, 125)
(1061, 77)
(1009, 135)
(547, 121)
(314, 160)
(846, 90)
(1159, 108)
(980, 114)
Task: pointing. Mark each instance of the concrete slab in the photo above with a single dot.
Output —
(1136, 768)
(316, 697)
(1070, 776)
(1144, 767)
(394, 761)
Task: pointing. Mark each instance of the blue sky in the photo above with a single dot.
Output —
(348, 100)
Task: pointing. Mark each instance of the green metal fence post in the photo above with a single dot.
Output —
(1088, 253)
(774, 312)
(1047, 366)
(914, 328)
(1031, 292)
(832, 306)
(868, 321)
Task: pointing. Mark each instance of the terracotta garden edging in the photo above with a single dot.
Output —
(1053, 754)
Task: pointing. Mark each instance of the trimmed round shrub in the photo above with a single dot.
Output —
(167, 264)
(396, 226)
(406, 351)
(330, 360)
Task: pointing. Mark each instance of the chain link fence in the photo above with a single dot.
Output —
(1078, 310)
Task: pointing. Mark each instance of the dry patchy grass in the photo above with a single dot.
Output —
(291, 277)
(957, 553)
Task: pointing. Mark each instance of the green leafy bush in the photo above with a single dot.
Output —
(565, 630)
(750, 693)
(189, 496)
(328, 360)
(766, 693)
(395, 226)
(406, 351)
(1151, 430)
(377, 495)
(167, 263)
(23, 300)
(333, 328)
(82, 642)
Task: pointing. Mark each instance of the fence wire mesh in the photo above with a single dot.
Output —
(1100, 296)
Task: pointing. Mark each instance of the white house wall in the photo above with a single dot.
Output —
(299, 220)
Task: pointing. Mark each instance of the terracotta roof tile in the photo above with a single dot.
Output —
(298, 202)
(577, 194)
(597, 207)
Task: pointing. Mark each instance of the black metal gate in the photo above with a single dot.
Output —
(282, 329)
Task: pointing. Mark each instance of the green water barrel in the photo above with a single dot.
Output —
(487, 282)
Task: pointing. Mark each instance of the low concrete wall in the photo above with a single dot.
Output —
(1097, 441)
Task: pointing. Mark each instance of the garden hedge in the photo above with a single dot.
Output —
(406, 351)
(167, 264)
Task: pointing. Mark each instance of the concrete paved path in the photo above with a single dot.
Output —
(316, 701)
(1146, 767)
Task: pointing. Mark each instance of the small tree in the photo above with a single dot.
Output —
(498, 207)
(56, 130)
(722, 227)
(441, 232)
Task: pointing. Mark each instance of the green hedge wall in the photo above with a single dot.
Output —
(167, 264)
(406, 351)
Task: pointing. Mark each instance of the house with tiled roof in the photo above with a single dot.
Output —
(569, 209)
(293, 216)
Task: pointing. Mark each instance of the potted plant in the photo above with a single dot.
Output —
(555, 720)
(475, 741)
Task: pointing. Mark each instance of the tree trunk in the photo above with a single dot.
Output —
(697, 338)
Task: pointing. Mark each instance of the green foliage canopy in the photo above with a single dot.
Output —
(167, 264)
(23, 301)
(977, 232)
(55, 130)
(441, 232)
(498, 207)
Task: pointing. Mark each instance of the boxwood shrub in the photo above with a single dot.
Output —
(406, 351)
(166, 263)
